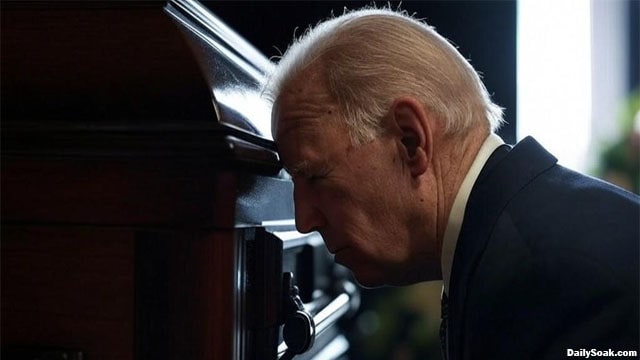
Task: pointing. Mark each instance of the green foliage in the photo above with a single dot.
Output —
(620, 161)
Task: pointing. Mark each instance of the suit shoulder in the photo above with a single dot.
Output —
(563, 216)
(566, 204)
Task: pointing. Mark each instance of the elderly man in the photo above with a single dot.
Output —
(388, 134)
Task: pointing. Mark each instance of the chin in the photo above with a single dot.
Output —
(369, 273)
(369, 283)
(372, 279)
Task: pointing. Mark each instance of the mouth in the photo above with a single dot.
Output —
(335, 251)
(341, 256)
(332, 246)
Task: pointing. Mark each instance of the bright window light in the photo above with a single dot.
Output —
(554, 77)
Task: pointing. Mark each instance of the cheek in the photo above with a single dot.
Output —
(379, 185)
(335, 206)
(373, 232)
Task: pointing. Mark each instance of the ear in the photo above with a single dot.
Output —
(416, 137)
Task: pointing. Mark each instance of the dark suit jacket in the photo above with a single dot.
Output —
(547, 260)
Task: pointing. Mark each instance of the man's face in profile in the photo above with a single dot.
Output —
(352, 195)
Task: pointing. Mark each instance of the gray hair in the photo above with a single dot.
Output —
(372, 56)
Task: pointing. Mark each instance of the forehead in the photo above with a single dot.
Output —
(305, 122)
(312, 147)
(309, 138)
(303, 106)
(303, 98)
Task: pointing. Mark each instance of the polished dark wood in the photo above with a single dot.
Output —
(185, 305)
(116, 192)
(98, 63)
(119, 267)
(122, 197)
(68, 287)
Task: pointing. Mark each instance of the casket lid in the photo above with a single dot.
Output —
(112, 78)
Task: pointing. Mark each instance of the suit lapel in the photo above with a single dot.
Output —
(506, 172)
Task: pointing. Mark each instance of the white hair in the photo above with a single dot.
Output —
(372, 56)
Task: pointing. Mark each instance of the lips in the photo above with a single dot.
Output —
(336, 251)
(339, 255)
(333, 248)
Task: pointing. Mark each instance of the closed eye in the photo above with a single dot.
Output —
(312, 173)
(315, 178)
(298, 170)
(322, 174)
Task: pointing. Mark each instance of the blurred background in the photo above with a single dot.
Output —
(566, 72)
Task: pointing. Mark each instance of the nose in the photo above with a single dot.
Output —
(308, 215)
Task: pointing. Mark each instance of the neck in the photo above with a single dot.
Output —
(452, 158)
(451, 164)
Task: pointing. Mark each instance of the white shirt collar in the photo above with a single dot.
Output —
(456, 216)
